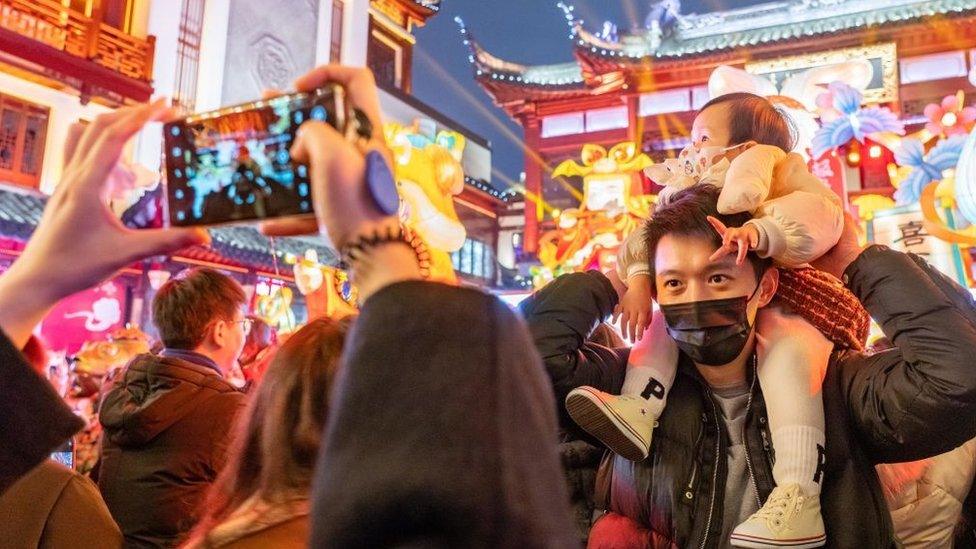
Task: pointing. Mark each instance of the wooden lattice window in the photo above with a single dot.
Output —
(188, 53)
(115, 13)
(335, 47)
(388, 56)
(381, 58)
(23, 129)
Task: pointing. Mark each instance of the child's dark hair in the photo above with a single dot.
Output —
(754, 118)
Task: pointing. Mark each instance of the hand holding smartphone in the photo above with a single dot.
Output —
(234, 165)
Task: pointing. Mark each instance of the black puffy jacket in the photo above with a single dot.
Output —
(911, 402)
(168, 424)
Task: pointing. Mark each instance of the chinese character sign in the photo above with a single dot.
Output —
(903, 229)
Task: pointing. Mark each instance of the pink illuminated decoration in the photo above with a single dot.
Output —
(951, 117)
(88, 315)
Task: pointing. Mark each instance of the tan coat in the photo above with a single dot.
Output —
(257, 524)
(55, 507)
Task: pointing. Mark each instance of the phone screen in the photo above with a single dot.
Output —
(234, 164)
(65, 455)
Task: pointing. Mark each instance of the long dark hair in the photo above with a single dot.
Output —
(274, 451)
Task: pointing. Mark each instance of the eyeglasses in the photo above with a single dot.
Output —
(246, 324)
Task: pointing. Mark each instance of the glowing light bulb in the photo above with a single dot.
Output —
(157, 277)
(949, 119)
(853, 158)
(874, 151)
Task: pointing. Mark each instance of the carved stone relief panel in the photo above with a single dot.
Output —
(268, 45)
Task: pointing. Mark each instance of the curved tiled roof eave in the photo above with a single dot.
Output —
(672, 48)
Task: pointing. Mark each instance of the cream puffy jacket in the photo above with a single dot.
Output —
(926, 497)
(797, 216)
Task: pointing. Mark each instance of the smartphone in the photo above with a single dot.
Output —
(233, 165)
(65, 455)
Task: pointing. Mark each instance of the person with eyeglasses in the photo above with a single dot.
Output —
(168, 418)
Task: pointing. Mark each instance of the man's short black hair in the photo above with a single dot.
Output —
(686, 214)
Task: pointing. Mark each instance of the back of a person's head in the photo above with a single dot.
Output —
(754, 118)
(277, 442)
(686, 215)
(190, 302)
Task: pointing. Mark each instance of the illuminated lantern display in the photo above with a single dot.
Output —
(97, 359)
(904, 228)
(429, 175)
(612, 205)
(275, 307)
(845, 120)
(950, 117)
(966, 178)
(327, 290)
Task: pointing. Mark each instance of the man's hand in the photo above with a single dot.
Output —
(838, 258)
(635, 307)
(79, 242)
(735, 240)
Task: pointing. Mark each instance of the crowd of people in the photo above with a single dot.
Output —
(749, 414)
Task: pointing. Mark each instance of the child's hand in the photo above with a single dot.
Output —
(635, 307)
(735, 240)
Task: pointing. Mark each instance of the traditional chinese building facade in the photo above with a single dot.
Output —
(63, 61)
(645, 85)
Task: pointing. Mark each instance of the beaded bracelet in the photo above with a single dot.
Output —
(397, 233)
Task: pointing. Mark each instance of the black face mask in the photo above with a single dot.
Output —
(711, 332)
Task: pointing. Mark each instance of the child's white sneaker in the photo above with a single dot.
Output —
(623, 423)
(788, 519)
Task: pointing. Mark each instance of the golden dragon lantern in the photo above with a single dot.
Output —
(429, 174)
(613, 204)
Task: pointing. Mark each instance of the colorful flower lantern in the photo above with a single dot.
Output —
(951, 117)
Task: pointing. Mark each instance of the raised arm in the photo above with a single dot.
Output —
(560, 318)
(918, 399)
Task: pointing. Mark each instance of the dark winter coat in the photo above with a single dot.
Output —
(167, 423)
(911, 402)
(33, 418)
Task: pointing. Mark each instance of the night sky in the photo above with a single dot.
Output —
(525, 31)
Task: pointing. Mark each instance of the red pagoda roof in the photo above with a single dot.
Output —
(605, 60)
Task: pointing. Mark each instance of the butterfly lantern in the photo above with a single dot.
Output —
(925, 168)
(941, 182)
(844, 119)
